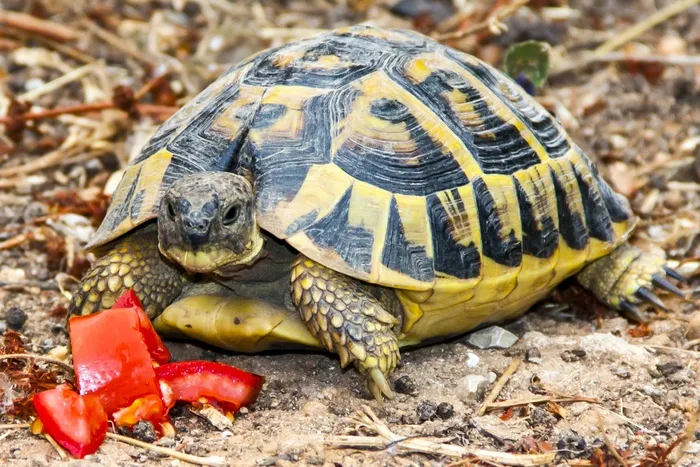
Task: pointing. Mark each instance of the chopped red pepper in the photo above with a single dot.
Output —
(111, 359)
(78, 423)
(159, 352)
(193, 380)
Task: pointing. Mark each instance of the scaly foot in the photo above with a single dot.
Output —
(343, 314)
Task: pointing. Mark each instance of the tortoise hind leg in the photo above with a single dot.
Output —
(626, 278)
(133, 263)
(343, 314)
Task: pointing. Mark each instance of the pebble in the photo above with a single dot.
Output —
(426, 411)
(144, 431)
(472, 387)
(491, 376)
(621, 371)
(15, 318)
(667, 369)
(573, 355)
(404, 385)
(651, 391)
(472, 360)
(693, 331)
(494, 337)
(533, 355)
(3, 327)
(445, 410)
(571, 444)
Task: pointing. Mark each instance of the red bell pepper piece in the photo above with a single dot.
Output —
(193, 380)
(111, 359)
(159, 352)
(78, 423)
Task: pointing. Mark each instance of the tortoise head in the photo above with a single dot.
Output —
(206, 223)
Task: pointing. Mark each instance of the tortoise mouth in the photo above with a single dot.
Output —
(213, 259)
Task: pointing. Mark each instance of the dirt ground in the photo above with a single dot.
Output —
(639, 120)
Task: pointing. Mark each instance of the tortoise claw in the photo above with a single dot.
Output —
(378, 385)
(676, 275)
(647, 295)
(661, 282)
(631, 312)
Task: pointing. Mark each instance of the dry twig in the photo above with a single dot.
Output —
(499, 386)
(539, 400)
(210, 460)
(675, 8)
(494, 22)
(56, 446)
(365, 417)
(608, 442)
(34, 25)
(41, 358)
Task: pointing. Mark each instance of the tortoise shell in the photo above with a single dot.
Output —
(386, 156)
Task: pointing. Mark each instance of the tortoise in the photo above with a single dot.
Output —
(361, 191)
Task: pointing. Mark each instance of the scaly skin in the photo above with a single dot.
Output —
(618, 278)
(343, 314)
(133, 263)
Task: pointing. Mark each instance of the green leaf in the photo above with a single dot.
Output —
(529, 58)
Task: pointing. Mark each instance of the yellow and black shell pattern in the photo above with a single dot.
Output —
(388, 157)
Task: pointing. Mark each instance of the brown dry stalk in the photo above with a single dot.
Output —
(365, 417)
(608, 442)
(38, 26)
(675, 8)
(539, 400)
(510, 371)
(494, 18)
(210, 460)
(41, 358)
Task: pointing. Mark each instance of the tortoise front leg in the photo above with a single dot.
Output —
(133, 263)
(343, 314)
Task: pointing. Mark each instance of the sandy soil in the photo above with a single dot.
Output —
(638, 123)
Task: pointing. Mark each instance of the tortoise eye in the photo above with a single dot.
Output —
(230, 215)
(172, 212)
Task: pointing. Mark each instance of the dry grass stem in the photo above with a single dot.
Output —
(41, 358)
(56, 446)
(10, 426)
(675, 8)
(493, 22)
(510, 371)
(608, 442)
(37, 26)
(210, 460)
(366, 417)
(539, 400)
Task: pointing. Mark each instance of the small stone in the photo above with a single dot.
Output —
(426, 411)
(667, 369)
(472, 360)
(621, 371)
(144, 431)
(493, 337)
(533, 355)
(314, 460)
(445, 410)
(491, 376)
(267, 461)
(693, 331)
(15, 318)
(651, 391)
(243, 411)
(571, 444)
(404, 385)
(573, 355)
(472, 387)
(3, 327)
